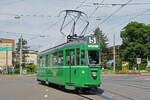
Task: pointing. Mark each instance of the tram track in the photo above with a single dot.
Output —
(131, 84)
(100, 96)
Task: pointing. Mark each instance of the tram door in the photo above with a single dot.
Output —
(71, 62)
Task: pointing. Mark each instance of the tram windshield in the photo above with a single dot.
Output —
(93, 56)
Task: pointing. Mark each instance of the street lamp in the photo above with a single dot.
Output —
(18, 17)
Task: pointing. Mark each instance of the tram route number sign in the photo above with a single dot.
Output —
(138, 60)
(92, 40)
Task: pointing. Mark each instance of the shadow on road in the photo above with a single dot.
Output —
(93, 91)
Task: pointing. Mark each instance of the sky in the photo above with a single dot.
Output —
(40, 21)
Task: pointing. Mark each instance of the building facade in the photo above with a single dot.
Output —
(12, 42)
(6, 49)
(31, 57)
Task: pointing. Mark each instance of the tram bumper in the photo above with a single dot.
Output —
(91, 78)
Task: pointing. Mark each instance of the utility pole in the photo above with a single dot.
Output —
(20, 54)
(114, 64)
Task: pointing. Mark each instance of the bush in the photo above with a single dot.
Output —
(17, 70)
(30, 68)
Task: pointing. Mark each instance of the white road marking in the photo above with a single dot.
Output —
(45, 96)
(46, 90)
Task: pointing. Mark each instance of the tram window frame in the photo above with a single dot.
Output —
(77, 56)
(68, 57)
(60, 58)
(83, 58)
(55, 60)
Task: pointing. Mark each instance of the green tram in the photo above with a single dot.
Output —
(74, 65)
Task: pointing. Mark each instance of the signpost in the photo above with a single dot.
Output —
(138, 62)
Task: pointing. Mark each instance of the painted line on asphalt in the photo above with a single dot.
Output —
(45, 96)
(46, 90)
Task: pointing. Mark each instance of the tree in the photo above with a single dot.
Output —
(103, 42)
(136, 42)
(24, 52)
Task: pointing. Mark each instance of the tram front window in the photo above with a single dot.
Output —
(93, 56)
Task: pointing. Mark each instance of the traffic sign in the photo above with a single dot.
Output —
(138, 60)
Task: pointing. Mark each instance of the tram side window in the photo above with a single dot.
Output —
(50, 60)
(77, 56)
(47, 61)
(40, 61)
(70, 57)
(43, 61)
(83, 60)
(67, 58)
(55, 59)
(60, 58)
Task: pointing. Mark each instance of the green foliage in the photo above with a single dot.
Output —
(30, 68)
(16, 70)
(110, 67)
(103, 42)
(118, 65)
(102, 39)
(136, 42)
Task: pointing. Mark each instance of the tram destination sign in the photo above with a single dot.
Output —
(93, 46)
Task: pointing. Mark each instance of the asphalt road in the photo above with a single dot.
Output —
(116, 87)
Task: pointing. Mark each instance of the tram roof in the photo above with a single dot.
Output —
(80, 41)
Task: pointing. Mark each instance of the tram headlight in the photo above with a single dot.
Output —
(94, 74)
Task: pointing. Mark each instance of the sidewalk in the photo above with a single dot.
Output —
(113, 74)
